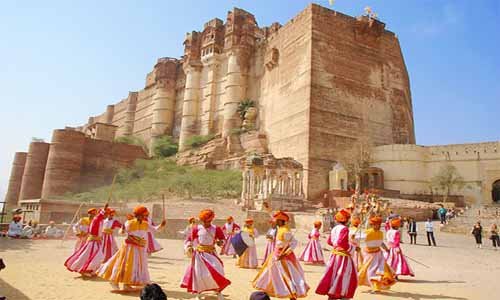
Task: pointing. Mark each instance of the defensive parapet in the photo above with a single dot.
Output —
(34, 171)
(15, 180)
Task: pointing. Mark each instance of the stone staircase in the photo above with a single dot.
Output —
(463, 223)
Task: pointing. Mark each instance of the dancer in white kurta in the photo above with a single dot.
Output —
(313, 253)
(355, 235)
(81, 228)
(270, 240)
(153, 245)
(206, 270)
(109, 225)
(248, 260)
(229, 229)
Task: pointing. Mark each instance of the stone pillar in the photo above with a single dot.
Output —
(130, 114)
(34, 171)
(209, 94)
(110, 113)
(163, 100)
(190, 104)
(62, 174)
(15, 181)
(233, 94)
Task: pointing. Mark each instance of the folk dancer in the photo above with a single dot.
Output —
(248, 260)
(81, 228)
(355, 241)
(313, 253)
(189, 227)
(129, 266)
(375, 272)
(206, 270)
(229, 229)
(270, 240)
(395, 257)
(340, 279)
(87, 259)
(109, 246)
(15, 227)
(153, 245)
(281, 275)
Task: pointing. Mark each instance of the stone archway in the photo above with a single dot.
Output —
(495, 191)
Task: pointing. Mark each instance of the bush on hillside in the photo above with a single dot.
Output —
(132, 140)
(164, 147)
(196, 141)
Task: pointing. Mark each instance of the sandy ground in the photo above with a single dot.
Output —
(457, 271)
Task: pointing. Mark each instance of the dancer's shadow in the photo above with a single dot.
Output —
(184, 296)
(415, 296)
(8, 291)
(429, 281)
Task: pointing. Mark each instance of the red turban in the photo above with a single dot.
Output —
(207, 215)
(355, 221)
(141, 211)
(249, 221)
(230, 219)
(281, 215)
(317, 224)
(342, 216)
(396, 222)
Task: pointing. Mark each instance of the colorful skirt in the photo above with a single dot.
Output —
(109, 246)
(87, 259)
(204, 273)
(228, 248)
(283, 278)
(128, 266)
(398, 262)
(375, 272)
(80, 241)
(269, 249)
(248, 260)
(357, 257)
(340, 279)
(153, 245)
(313, 253)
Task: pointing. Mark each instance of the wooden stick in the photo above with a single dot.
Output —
(72, 222)
(111, 189)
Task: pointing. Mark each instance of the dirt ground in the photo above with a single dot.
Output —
(457, 271)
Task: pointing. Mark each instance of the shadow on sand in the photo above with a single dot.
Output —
(185, 295)
(8, 291)
(415, 296)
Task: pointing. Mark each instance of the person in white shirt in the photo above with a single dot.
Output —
(27, 232)
(52, 232)
(429, 228)
(15, 227)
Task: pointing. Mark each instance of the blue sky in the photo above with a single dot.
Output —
(61, 61)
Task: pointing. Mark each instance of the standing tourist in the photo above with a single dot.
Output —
(109, 247)
(429, 229)
(81, 228)
(87, 259)
(248, 260)
(229, 229)
(477, 231)
(313, 253)
(412, 230)
(129, 266)
(15, 227)
(395, 257)
(340, 279)
(270, 240)
(495, 240)
(355, 241)
(206, 270)
(281, 275)
(375, 272)
(442, 214)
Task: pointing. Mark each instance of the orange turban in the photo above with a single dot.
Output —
(272, 221)
(395, 222)
(249, 221)
(141, 211)
(317, 224)
(355, 221)
(281, 215)
(16, 218)
(92, 211)
(342, 216)
(375, 220)
(130, 216)
(230, 219)
(191, 220)
(110, 211)
(206, 215)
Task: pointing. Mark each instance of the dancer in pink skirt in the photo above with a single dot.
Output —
(313, 253)
(153, 245)
(340, 279)
(109, 246)
(271, 240)
(395, 257)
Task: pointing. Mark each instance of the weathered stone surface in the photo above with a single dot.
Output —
(34, 171)
(15, 180)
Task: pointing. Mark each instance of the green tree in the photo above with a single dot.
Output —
(164, 147)
(446, 180)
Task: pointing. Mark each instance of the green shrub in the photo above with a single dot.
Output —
(196, 141)
(132, 140)
(164, 147)
(243, 106)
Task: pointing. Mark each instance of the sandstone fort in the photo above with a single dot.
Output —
(320, 84)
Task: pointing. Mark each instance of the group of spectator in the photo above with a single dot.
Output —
(32, 230)
(477, 232)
